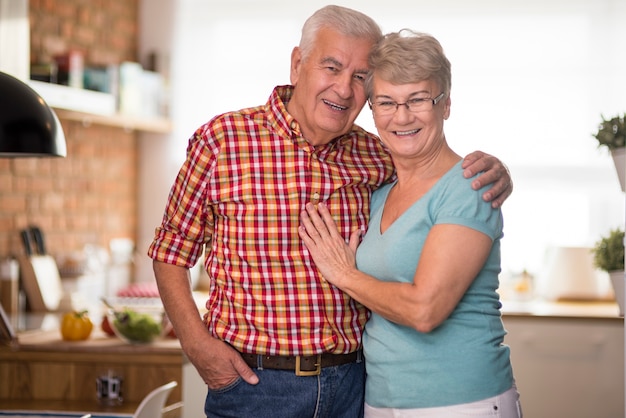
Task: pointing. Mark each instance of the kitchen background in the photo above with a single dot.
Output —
(88, 199)
(531, 80)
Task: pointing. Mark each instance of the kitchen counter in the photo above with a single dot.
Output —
(41, 371)
(561, 309)
(567, 357)
(47, 373)
(98, 342)
(568, 360)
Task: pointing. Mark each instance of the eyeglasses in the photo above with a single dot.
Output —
(389, 107)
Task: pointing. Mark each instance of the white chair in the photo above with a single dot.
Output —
(152, 405)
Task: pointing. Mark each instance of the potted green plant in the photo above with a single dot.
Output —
(608, 255)
(612, 135)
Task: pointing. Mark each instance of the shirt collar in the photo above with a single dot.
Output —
(287, 125)
(283, 122)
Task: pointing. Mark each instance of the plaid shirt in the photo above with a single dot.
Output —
(247, 176)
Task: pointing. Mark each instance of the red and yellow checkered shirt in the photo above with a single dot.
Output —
(247, 176)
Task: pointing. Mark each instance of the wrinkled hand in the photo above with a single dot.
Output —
(494, 172)
(219, 364)
(333, 257)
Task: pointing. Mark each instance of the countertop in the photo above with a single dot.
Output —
(41, 331)
(98, 342)
(561, 309)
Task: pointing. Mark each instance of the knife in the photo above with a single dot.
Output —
(39, 242)
(25, 233)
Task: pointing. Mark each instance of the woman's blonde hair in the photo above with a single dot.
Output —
(409, 57)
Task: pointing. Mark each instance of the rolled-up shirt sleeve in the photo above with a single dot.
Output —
(187, 223)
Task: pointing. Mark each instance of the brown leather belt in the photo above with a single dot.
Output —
(302, 365)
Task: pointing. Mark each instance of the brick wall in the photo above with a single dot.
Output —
(90, 196)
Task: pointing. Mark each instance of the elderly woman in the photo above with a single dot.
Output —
(428, 265)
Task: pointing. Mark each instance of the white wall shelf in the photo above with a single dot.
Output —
(129, 123)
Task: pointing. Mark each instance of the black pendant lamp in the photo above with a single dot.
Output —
(28, 126)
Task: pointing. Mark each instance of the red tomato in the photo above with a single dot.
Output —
(106, 326)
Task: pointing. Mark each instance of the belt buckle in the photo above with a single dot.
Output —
(316, 372)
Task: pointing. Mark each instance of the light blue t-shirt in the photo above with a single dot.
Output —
(464, 359)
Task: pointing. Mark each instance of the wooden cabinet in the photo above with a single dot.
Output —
(568, 362)
(44, 371)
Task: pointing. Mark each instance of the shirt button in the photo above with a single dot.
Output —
(316, 198)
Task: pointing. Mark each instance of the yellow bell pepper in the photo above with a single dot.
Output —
(76, 326)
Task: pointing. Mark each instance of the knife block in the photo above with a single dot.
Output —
(41, 281)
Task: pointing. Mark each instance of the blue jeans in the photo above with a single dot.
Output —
(336, 393)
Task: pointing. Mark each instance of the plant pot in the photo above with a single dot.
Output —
(619, 159)
(617, 280)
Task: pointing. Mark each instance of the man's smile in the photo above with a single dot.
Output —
(406, 133)
(335, 106)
